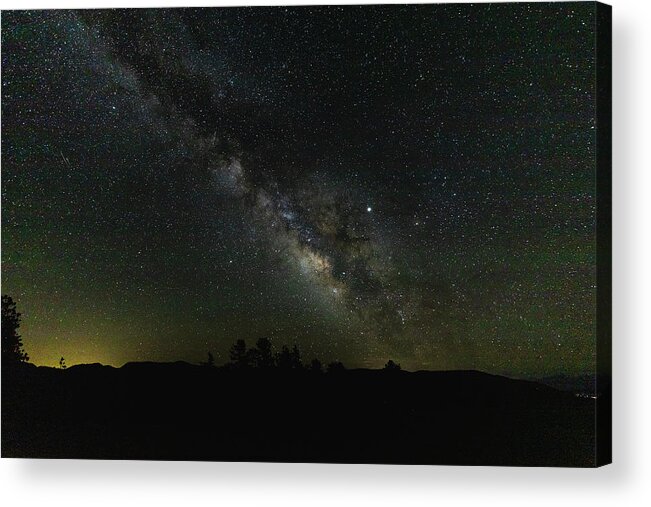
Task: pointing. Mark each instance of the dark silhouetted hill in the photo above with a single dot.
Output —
(178, 411)
(587, 384)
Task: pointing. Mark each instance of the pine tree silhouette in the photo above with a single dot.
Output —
(238, 354)
(392, 366)
(316, 366)
(284, 359)
(12, 344)
(264, 357)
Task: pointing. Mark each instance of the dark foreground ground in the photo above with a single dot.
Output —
(179, 411)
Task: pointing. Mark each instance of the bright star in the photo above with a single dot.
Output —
(369, 209)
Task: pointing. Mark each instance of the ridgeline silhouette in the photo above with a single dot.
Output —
(270, 406)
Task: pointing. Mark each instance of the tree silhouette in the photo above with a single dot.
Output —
(336, 366)
(392, 366)
(62, 363)
(238, 354)
(296, 358)
(12, 344)
(289, 359)
(252, 357)
(264, 355)
(211, 360)
(284, 359)
(316, 366)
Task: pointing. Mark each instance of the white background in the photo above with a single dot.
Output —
(626, 482)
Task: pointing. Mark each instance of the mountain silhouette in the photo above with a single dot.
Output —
(180, 411)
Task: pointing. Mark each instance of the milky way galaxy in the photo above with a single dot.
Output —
(405, 182)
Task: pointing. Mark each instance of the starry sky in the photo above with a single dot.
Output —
(406, 182)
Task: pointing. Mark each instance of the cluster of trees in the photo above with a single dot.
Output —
(263, 357)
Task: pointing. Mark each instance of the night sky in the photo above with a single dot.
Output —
(408, 182)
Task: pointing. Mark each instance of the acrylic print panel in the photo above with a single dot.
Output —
(361, 234)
